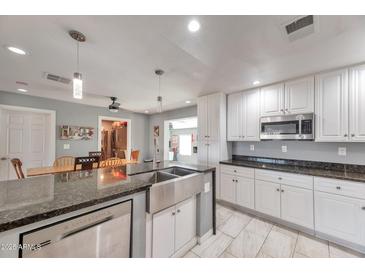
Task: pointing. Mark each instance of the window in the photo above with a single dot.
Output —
(185, 144)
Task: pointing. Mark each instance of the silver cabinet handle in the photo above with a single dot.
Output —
(363, 208)
(236, 181)
(338, 187)
(173, 213)
(4, 158)
(234, 170)
(282, 110)
(352, 135)
(280, 178)
(345, 135)
(178, 211)
(282, 190)
(232, 180)
(277, 189)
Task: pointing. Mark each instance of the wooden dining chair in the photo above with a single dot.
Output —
(112, 162)
(17, 164)
(95, 153)
(84, 163)
(135, 155)
(64, 161)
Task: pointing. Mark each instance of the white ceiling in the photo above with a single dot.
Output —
(122, 52)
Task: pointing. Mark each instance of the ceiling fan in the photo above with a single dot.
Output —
(114, 106)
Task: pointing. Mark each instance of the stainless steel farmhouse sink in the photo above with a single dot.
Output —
(171, 186)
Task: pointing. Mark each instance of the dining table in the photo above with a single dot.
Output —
(37, 171)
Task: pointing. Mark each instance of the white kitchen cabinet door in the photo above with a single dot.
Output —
(228, 188)
(203, 152)
(163, 233)
(267, 198)
(297, 206)
(357, 104)
(245, 192)
(235, 117)
(252, 115)
(213, 113)
(185, 223)
(299, 96)
(202, 118)
(272, 100)
(340, 216)
(332, 106)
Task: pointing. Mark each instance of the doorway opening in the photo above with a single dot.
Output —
(114, 137)
(28, 134)
(180, 140)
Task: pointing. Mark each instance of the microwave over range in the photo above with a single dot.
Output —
(287, 127)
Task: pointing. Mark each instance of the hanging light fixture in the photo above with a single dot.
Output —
(159, 73)
(77, 80)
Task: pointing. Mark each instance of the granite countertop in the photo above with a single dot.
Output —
(329, 170)
(38, 198)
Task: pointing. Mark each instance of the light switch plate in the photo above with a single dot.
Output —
(66, 146)
(207, 187)
(252, 147)
(284, 149)
(342, 151)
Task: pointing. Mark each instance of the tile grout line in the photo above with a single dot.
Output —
(295, 246)
(258, 252)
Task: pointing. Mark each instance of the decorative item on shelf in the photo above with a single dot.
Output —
(77, 80)
(156, 134)
(76, 132)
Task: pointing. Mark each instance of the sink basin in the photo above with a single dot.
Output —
(178, 171)
(155, 177)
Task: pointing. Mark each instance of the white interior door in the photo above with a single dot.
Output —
(22, 135)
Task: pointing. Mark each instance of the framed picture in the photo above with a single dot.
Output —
(156, 131)
(76, 133)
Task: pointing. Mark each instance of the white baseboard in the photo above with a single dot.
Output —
(205, 236)
(182, 251)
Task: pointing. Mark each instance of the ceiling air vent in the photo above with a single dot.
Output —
(57, 78)
(300, 27)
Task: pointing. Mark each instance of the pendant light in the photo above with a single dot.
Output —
(159, 73)
(77, 80)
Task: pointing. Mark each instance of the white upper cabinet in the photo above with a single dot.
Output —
(252, 116)
(357, 103)
(243, 116)
(272, 100)
(202, 118)
(299, 96)
(234, 117)
(332, 106)
(214, 116)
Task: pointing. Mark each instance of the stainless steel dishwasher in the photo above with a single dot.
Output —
(104, 233)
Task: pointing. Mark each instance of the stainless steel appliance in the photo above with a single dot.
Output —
(287, 127)
(104, 233)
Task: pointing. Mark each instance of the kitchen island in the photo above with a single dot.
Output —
(28, 204)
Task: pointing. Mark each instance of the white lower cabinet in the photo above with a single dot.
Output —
(267, 198)
(245, 189)
(297, 205)
(340, 216)
(228, 188)
(172, 228)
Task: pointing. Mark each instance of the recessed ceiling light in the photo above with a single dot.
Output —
(194, 26)
(22, 90)
(188, 101)
(256, 82)
(146, 111)
(16, 50)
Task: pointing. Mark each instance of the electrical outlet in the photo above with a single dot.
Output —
(284, 149)
(252, 147)
(66, 146)
(207, 187)
(342, 151)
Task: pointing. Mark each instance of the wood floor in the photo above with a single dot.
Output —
(244, 236)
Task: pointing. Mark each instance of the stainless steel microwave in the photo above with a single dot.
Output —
(287, 127)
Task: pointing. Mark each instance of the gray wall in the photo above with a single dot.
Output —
(158, 120)
(302, 150)
(81, 115)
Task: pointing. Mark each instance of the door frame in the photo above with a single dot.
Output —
(52, 128)
(129, 131)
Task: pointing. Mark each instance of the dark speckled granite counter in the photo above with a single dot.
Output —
(329, 170)
(35, 199)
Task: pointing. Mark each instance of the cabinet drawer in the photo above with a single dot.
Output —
(285, 178)
(340, 187)
(239, 171)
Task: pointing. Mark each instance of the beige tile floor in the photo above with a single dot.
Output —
(243, 236)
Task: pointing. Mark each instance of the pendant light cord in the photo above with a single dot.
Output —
(78, 61)
(159, 85)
